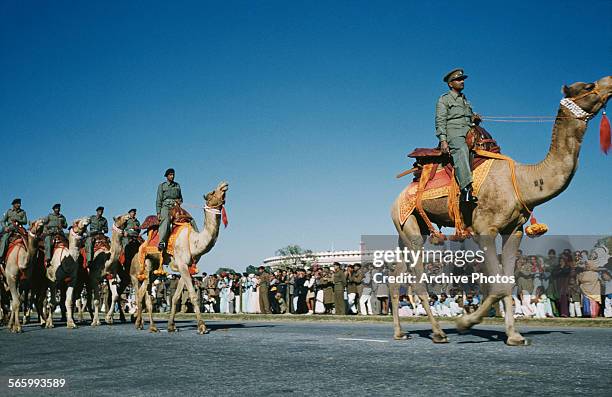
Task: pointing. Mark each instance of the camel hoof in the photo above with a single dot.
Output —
(153, 329)
(49, 326)
(109, 320)
(402, 337)
(71, 325)
(436, 338)
(517, 341)
(203, 331)
(172, 328)
(94, 323)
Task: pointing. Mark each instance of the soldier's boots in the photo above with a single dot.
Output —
(467, 195)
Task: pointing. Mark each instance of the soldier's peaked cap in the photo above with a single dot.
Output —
(58, 205)
(169, 171)
(100, 208)
(455, 74)
(16, 201)
(132, 210)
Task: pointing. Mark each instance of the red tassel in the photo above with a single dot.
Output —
(604, 133)
(533, 220)
(224, 216)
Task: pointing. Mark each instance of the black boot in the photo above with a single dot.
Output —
(162, 246)
(467, 196)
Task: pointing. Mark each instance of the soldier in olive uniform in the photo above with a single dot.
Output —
(168, 195)
(264, 290)
(132, 228)
(454, 118)
(354, 279)
(327, 283)
(55, 223)
(14, 217)
(339, 278)
(98, 225)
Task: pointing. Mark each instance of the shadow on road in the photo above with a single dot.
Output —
(486, 334)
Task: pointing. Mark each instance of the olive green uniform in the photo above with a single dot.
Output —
(10, 219)
(54, 224)
(97, 225)
(168, 194)
(453, 120)
(355, 287)
(339, 279)
(264, 293)
(132, 229)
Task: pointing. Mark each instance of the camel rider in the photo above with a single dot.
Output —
(454, 118)
(168, 195)
(11, 220)
(55, 223)
(98, 225)
(132, 228)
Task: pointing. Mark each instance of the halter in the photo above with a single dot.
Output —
(116, 228)
(571, 105)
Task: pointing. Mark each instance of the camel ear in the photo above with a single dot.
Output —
(565, 90)
(589, 86)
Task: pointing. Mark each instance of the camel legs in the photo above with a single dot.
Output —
(149, 303)
(14, 325)
(95, 287)
(175, 298)
(69, 320)
(410, 236)
(509, 250)
(114, 298)
(510, 246)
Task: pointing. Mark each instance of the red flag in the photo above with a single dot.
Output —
(604, 133)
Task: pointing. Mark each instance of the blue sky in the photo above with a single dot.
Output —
(307, 108)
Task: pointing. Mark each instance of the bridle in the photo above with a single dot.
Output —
(571, 105)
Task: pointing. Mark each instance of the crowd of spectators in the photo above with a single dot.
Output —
(565, 285)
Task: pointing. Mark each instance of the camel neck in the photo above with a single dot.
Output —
(545, 180)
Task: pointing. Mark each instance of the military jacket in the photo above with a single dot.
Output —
(132, 227)
(13, 216)
(98, 225)
(167, 194)
(55, 223)
(453, 116)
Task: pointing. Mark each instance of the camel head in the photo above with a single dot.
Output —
(121, 220)
(591, 97)
(216, 198)
(80, 225)
(36, 227)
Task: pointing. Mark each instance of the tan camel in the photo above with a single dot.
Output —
(499, 210)
(62, 271)
(112, 266)
(18, 260)
(188, 248)
(94, 274)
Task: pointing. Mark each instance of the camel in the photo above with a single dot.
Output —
(18, 260)
(62, 272)
(113, 268)
(189, 247)
(499, 211)
(92, 276)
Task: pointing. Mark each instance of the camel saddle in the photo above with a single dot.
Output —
(100, 242)
(477, 138)
(18, 236)
(179, 215)
(437, 169)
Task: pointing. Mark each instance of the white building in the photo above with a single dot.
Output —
(322, 258)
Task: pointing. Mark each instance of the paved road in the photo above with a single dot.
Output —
(297, 358)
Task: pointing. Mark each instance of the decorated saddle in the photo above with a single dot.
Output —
(434, 178)
(180, 219)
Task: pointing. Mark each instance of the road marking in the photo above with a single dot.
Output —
(364, 340)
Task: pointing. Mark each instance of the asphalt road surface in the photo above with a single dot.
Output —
(249, 358)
